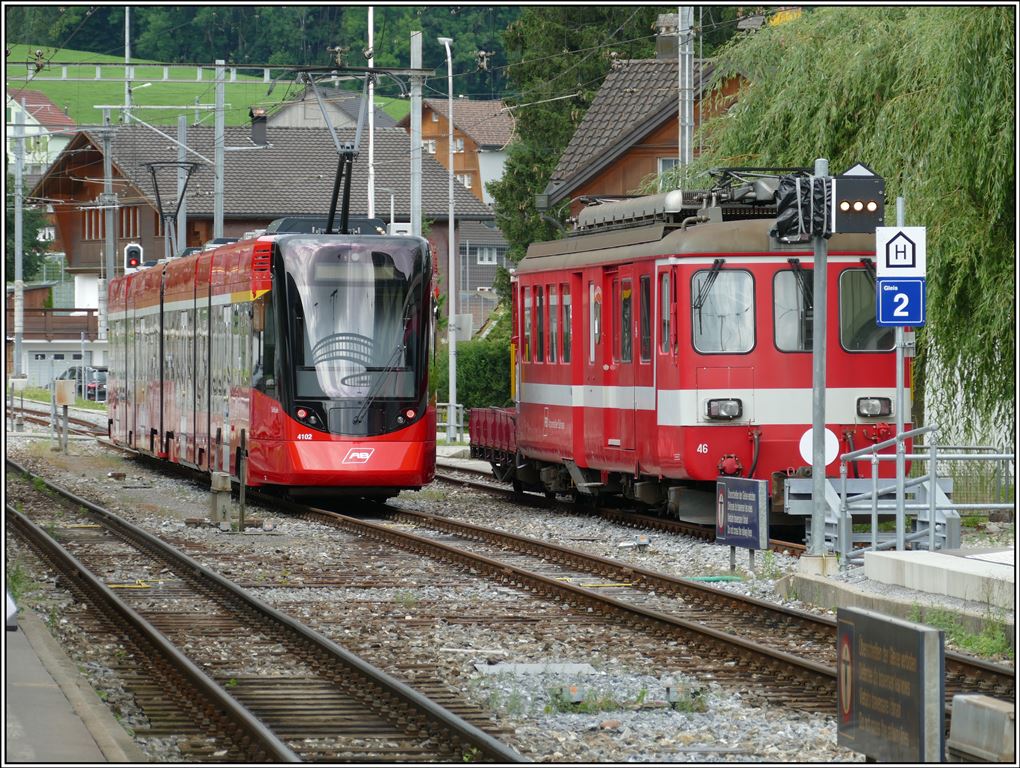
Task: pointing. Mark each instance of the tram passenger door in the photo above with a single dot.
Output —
(618, 360)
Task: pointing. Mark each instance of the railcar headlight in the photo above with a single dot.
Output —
(731, 408)
(874, 406)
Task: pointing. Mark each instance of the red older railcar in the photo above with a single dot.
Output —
(309, 352)
(661, 345)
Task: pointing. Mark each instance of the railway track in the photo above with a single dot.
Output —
(78, 426)
(626, 517)
(308, 699)
(796, 632)
(525, 565)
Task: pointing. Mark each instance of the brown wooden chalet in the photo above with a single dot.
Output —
(482, 129)
(293, 176)
(631, 130)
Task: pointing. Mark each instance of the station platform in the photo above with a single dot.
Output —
(51, 714)
(459, 457)
(976, 585)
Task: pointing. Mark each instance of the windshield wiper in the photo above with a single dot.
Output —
(807, 290)
(706, 288)
(384, 374)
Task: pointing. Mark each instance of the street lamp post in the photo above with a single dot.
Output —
(451, 292)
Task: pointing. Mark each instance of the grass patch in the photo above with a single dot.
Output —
(45, 396)
(80, 98)
(992, 641)
(592, 702)
(18, 581)
(405, 599)
(432, 494)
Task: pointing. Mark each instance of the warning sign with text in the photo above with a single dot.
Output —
(741, 512)
(890, 687)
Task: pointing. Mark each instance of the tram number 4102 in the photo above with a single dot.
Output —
(901, 301)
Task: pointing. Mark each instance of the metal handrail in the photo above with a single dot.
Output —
(932, 456)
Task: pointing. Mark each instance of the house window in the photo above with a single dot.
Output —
(665, 164)
(458, 145)
(429, 145)
(158, 225)
(129, 223)
(465, 179)
(487, 254)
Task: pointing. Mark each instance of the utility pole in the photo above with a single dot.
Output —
(816, 547)
(371, 114)
(109, 203)
(416, 82)
(685, 51)
(451, 283)
(220, 141)
(127, 63)
(182, 215)
(19, 283)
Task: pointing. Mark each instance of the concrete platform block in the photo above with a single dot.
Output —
(983, 730)
(977, 581)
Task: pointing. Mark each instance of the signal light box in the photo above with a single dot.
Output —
(858, 203)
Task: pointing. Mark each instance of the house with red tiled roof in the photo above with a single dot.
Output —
(481, 132)
(48, 129)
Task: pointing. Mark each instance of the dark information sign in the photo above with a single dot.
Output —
(890, 687)
(741, 512)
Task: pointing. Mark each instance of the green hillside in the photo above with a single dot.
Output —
(79, 98)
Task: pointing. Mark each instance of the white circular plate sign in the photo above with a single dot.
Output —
(831, 446)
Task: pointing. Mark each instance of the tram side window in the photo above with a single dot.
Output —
(664, 309)
(539, 325)
(792, 303)
(554, 322)
(858, 330)
(565, 292)
(595, 320)
(526, 353)
(646, 318)
(722, 313)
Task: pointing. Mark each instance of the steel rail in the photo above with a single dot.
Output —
(814, 674)
(247, 728)
(412, 700)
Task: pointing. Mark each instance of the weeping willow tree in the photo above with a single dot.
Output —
(925, 97)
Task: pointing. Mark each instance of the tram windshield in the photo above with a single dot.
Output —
(356, 307)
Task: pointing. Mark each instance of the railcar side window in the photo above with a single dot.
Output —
(565, 292)
(793, 310)
(595, 322)
(540, 326)
(722, 311)
(527, 324)
(664, 312)
(646, 318)
(858, 330)
(623, 316)
(554, 324)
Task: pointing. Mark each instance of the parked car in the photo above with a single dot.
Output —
(95, 385)
(190, 250)
(92, 387)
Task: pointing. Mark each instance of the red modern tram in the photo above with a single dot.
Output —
(668, 341)
(306, 352)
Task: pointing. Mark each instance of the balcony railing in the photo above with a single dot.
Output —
(55, 324)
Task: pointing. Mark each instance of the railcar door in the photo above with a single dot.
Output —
(618, 360)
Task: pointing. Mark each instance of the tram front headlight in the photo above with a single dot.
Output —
(874, 406)
(725, 409)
